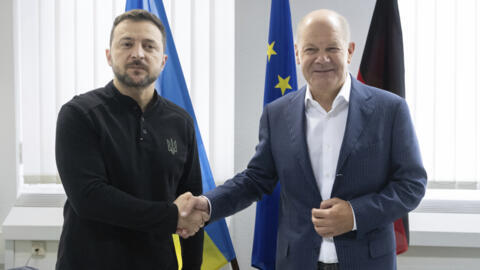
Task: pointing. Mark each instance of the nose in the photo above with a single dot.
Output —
(137, 52)
(322, 58)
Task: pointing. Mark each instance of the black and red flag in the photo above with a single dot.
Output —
(382, 66)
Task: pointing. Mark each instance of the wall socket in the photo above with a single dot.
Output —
(39, 248)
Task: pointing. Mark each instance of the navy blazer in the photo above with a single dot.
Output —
(379, 172)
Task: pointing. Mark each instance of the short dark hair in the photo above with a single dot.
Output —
(138, 15)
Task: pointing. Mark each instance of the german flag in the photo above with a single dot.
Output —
(382, 66)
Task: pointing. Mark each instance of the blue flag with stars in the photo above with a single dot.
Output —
(218, 249)
(280, 79)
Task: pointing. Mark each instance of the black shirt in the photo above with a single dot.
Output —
(122, 169)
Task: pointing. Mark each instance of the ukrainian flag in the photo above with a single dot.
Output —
(280, 79)
(217, 247)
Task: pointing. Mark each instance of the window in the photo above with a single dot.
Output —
(60, 52)
(442, 64)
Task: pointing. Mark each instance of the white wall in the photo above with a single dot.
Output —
(23, 255)
(7, 117)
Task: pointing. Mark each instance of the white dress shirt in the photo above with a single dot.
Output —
(325, 131)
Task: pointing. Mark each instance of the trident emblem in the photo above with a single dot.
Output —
(172, 146)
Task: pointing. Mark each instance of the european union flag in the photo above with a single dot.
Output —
(280, 79)
(218, 249)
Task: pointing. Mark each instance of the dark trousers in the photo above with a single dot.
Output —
(328, 266)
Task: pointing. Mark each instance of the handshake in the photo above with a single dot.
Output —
(193, 212)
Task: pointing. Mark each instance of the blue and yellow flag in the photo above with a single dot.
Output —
(280, 79)
(217, 249)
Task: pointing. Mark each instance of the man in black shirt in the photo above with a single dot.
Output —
(125, 155)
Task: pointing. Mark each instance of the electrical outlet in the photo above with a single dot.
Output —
(38, 248)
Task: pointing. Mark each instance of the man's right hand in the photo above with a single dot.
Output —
(193, 212)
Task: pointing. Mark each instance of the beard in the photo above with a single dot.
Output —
(127, 80)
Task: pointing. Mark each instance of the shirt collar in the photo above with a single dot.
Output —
(130, 102)
(343, 94)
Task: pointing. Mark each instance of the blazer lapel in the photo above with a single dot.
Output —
(295, 118)
(360, 110)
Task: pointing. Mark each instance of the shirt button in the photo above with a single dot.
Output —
(141, 138)
(327, 175)
(144, 131)
(143, 119)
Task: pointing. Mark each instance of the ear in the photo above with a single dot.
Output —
(164, 61)
(109, 56)
(297, 57)
(351, 49)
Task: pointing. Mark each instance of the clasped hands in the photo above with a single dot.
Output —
(193, 212)
(333, 218)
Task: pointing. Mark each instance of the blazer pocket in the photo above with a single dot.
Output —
(381, 244)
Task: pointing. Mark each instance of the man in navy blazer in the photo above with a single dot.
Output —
(346, 156)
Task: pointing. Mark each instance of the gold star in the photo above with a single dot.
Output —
(270, 50)
(283, 84)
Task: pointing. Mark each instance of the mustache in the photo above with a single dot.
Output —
(137, 64)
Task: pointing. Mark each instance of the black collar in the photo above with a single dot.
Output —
(130, 103)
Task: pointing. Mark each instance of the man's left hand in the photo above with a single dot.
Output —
(334, 217)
